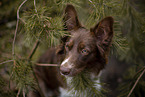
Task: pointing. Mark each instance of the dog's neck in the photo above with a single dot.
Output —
(95, 78)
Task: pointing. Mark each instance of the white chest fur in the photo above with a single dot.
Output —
(66, 93)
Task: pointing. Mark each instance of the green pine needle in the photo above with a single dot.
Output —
(82, 85)
(22, 75)
(44, 28)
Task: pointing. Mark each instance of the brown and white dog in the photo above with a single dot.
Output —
(83, 50)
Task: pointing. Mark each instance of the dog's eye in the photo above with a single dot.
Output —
(85, 52)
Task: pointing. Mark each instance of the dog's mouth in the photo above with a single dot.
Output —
(70, 71)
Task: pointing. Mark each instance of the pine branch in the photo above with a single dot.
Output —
(135, 83)
(34, 49)
(40, 64)
(35, 6)
(18, 92)
(37, 41)
(82, 85)
(15, 34)
(31, 55)
(139, 71)
(6, 61)
(29, 58)
(23, 93)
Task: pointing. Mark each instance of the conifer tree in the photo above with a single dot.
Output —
(29, 27)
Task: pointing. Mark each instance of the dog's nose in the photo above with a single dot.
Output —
(65, 70)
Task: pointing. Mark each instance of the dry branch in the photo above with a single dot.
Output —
(34, 49)
(18, 92)
(6, 62)
(136, 83)
(40, 64)
(18, 17)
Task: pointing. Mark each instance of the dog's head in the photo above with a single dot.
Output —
(84, 49)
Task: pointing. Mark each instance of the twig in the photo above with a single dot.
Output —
(6, 61)
(15, 34)
(18, 17)
(31, 55)
(37, 41)
(140, 71)
(35, 6)
(29, 59)
(22, 20)
(40, 64)
(18, 92)
(135, 83)
(34, 49)
(23, 93)
(14, 62)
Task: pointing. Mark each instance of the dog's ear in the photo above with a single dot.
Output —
(103, 32)
(70, 19)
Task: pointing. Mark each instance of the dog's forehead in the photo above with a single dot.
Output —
(81, 35)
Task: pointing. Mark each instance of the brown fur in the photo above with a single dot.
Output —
(87, 49)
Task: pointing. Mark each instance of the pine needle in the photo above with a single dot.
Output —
(82, 85)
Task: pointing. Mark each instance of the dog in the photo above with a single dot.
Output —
(82, 50)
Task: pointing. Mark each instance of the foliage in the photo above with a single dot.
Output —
(44, 23)
(130, 78)
(82, 85)
(45, 29)
(21, 74)
(133, 27)
(134, 21)
(3, 92)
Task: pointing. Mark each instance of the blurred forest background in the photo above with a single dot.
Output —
(40, 26)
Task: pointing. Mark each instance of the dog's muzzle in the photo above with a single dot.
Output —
(64, 70)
